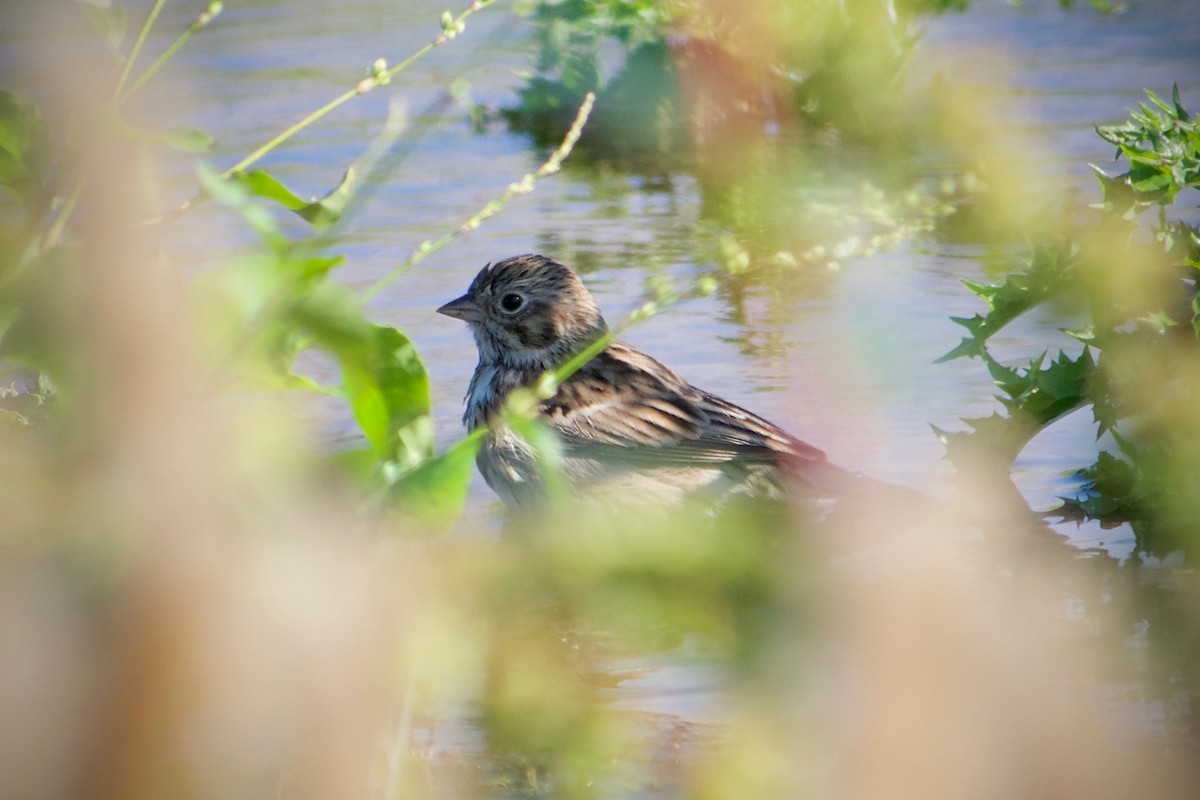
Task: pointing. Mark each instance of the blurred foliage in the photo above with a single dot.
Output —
(576, 593)
(690, 68)
(256, 313)
(796, 118)
(190, 609)
(672, 74)
(1135, 289)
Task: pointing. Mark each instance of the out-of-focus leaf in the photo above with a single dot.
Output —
(111, 22)
(308, 268)
(37, 307)
(333, 317)
(321, 213)
(187, 140)
(24, 146)
(360, 463)
(388, 390)
(330, 208)
(547, 448)
(262, 184)
(237, 196)
(434, 492)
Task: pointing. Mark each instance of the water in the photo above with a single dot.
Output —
(847, 366)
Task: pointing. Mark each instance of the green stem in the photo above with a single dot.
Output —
(380, 78)
(524, 186)
(207, 16)
(137, 46)
(450, 29)
(289, 133)
(552, 380)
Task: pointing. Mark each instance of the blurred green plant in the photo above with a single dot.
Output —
(260, 310)
(665, 85)
(669, 71)
(1138, 364)
(570, 37)
(241, 660)
(758, 103)
(589, 590)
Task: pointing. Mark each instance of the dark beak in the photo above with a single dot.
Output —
(463, 308)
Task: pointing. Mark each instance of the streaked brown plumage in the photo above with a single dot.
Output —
(630, 427)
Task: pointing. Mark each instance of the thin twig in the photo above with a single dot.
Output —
(137, 46)
(523, 186)
(208, 15)
(381, 76)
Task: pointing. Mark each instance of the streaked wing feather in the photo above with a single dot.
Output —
(626, 406)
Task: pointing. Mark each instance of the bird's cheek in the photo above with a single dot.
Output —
(536, 333)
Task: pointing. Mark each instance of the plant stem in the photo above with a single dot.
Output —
(206, 16)
(524, 186)
(450, 29)
(289, 133)
(137, 46)
(550, 382)
(381, 78)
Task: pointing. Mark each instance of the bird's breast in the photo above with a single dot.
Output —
(481, 400)
(509, 465)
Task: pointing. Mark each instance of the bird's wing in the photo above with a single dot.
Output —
(625, 405)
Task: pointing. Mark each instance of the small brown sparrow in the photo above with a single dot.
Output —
(631, 429)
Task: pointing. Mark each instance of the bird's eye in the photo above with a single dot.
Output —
(512, 302)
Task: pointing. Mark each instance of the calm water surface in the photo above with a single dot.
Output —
(847, 366)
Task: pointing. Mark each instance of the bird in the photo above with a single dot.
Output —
(631, 429)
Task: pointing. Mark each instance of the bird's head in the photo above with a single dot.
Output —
(528, 310)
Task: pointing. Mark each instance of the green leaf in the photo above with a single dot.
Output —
(333, 317)
(330, 208)
(1009, 380)
(25, 143)
(109, 21)
(1180, 112)
(436, 490)
(966, 348)
(234, 194)
(1118, 195)
(1050, 264)
(309, 268)
(320, 213)
(388, 389)
(1059, 388)
(187, 140)
(262, 184)
(1111, 492)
